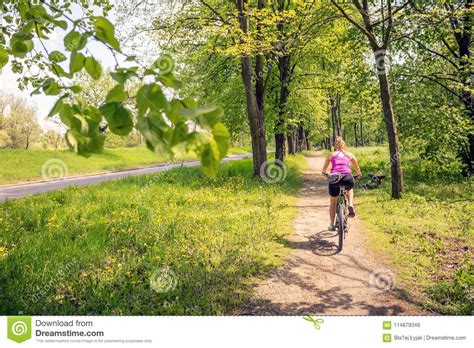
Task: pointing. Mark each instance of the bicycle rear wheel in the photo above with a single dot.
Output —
(340, 224)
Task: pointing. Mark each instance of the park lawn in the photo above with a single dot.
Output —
(94, 250)
(427, 235)
(26, 165)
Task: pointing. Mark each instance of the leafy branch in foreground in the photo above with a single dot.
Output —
(168, 124)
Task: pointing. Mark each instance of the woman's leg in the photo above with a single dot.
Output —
(332, 210)
(350, 203)
(350, 197)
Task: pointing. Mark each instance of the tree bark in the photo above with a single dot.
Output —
(390, 124)
(356, 141)
(283, 66)
(254, 100)
(291, 140)
(306, 135)
(255, 119)
(466, 73)
(361, 134)
(338, 115)
(301, 139)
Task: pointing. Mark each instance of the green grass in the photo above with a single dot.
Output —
(26, 165)
(84, 251)
(427, 235)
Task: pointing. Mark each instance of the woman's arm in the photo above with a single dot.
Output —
(326, 164)
(355, 165)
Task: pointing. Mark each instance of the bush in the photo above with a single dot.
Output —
(5, 140)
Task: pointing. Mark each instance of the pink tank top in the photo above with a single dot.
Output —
(341, 163)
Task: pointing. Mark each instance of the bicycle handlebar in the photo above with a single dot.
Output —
(355, 177)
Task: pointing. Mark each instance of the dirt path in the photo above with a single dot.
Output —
(317, 280)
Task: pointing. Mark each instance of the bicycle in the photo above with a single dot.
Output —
(342, 211)
(342, 215)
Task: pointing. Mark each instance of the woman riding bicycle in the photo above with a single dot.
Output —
(341, 175)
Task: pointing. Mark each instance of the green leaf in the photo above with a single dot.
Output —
(210, 115)
(116, 94)
(222, 138)
(51, 87)
(38, 11)
(57, 57)
(57, 106)
(180, 134)
(21, 44)
(93, 116)
(122, 75)
(75, 41)
(105, 31)
(76, 88)
(85, 145)
(77, 62)
(93, 68)
(151, 97)
(209, 156)
(57, 69)
(153, 127)
(80, 124)
(92, 144)
(119, 118)
(66, 113)
(3, 57)
(61, 24)
(190, 103)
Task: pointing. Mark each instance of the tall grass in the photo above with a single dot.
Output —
(428, 235)
(95, 250)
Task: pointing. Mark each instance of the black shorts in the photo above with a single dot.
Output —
(347, 180)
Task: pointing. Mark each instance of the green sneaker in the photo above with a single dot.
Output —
(331, 228)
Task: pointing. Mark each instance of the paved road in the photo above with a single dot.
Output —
(22, 190)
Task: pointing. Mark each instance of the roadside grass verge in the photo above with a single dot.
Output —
(427, 235)
(26, 165)
(94, 250)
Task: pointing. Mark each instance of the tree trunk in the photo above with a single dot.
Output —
(355, 135)
(291, 141)
(390, 124)
(280, 146)
(254, 100)
(306, 135)
(255, 118)
(283, 66)
(301, 139)
(361, 135)
(466, 73)
(333, 119)
(338, 116)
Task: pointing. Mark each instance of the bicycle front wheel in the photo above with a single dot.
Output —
(340, 224)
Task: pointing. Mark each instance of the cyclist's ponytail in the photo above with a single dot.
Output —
(340, 144)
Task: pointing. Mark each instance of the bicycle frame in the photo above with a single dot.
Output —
(341, 217)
